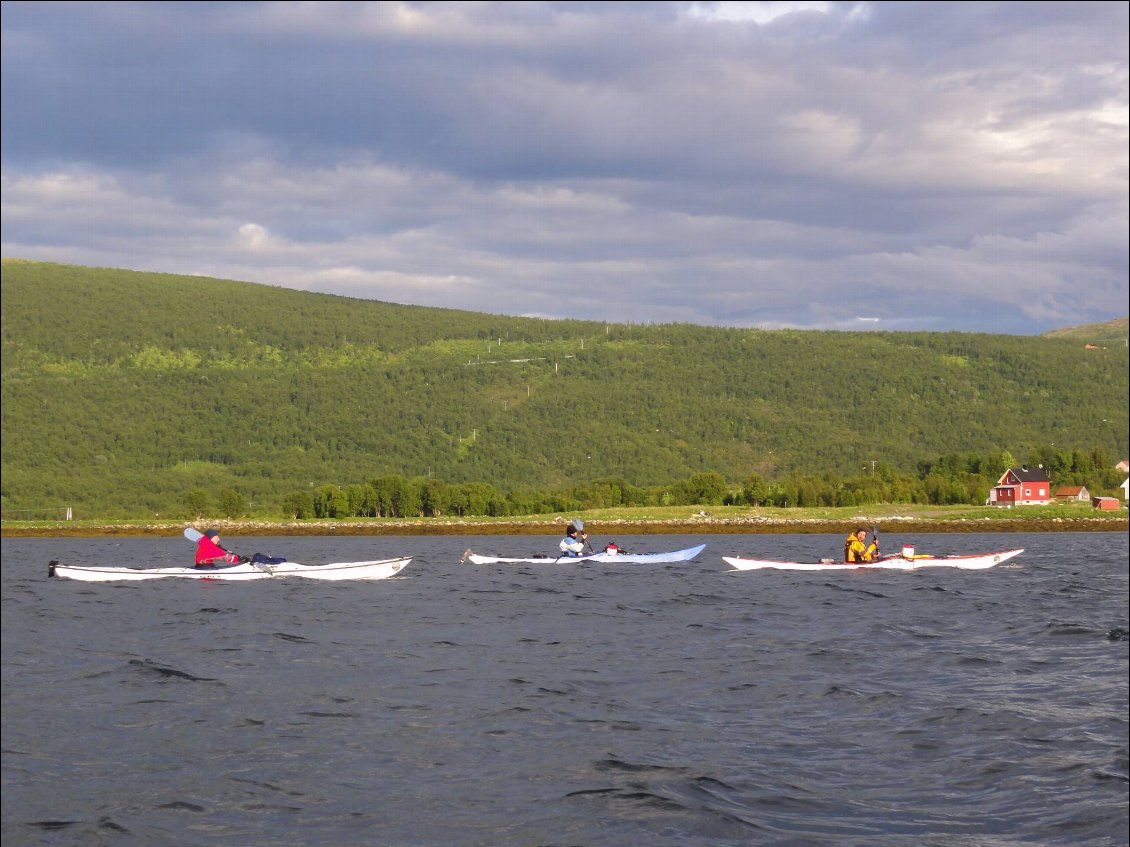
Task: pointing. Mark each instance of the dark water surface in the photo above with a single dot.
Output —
(458, 706)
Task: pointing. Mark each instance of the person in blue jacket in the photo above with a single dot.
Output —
(573, 544)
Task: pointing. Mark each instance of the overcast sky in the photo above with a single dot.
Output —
(905, 166)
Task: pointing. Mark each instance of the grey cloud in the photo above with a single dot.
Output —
(955, 166)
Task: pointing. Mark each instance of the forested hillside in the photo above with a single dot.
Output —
(130, 393)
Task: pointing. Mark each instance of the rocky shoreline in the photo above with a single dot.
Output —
(705, 525)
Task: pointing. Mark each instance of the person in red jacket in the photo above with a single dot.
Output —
(210, 554)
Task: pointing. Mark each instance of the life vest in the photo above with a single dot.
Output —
(571, 546)
(857, 551)
(853, 549)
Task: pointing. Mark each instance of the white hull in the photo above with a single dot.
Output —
(380, 569)
(610, 558)
(981, 562)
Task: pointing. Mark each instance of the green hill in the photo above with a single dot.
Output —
(122, 391)
(1108, 334)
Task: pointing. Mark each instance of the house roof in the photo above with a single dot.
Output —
(1025, 474)
(1069, 490)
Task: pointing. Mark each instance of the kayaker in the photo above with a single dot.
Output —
(856, 548)
(573, 544)
(210, 553)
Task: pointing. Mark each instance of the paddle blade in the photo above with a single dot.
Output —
(193, 534)
(578, 524)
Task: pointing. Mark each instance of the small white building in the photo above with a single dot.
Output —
(1125, 488)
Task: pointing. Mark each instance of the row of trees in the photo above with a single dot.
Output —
(950, 480)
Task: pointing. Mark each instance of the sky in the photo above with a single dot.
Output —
(937, 166)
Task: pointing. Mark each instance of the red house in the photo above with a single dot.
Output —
(1106, 503)
(1022, 487)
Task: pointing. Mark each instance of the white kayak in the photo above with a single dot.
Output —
(379, 569)
(619, 557)
(897, 562)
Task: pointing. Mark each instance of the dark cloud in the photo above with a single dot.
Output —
(957, 165)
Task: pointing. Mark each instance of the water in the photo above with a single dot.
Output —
(592, 705)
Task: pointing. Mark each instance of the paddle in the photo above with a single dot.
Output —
(875, 538)
(580, 525)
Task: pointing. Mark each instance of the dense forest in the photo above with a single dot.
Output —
(126, 394)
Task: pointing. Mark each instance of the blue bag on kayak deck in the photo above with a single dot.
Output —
(261, 559)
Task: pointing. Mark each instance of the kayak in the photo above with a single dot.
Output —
(379, 569)
(613, 558)
(896, 562)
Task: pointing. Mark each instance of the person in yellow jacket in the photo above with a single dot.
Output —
(856, 548)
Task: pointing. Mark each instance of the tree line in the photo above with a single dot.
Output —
(949, 480)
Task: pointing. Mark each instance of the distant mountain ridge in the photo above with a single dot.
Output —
(1107, 333)
(126, 389)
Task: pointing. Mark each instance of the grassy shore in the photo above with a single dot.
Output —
(623, 521)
